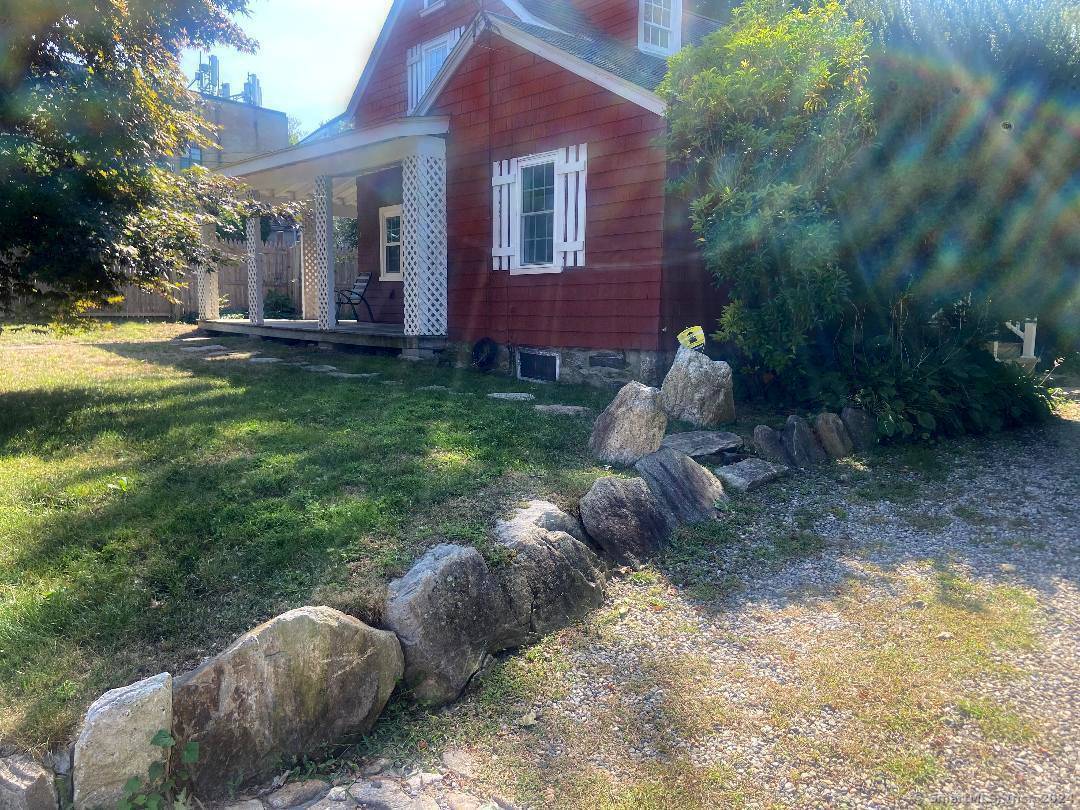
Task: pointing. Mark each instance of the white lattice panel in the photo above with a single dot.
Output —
(322, 269)
(309, 284)
(254, 268)
(206, 287)
(423, 244)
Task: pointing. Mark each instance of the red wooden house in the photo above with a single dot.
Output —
(504, 163)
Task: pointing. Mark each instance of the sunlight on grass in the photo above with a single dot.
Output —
(152, 502)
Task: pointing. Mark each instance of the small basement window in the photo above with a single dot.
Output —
(537, 366)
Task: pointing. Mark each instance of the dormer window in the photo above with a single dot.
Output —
(660, 26)
(425, 61)
(430, 5)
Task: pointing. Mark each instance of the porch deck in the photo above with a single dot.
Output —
(346, 333)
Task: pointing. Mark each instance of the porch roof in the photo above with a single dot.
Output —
(289, 174)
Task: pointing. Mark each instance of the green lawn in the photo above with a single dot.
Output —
(153, 505)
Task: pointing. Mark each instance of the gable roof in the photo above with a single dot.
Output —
(554, 29)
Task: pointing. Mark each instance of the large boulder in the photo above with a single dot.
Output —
(748, 475)
(860, 427)
(623, 517)
(698, 390)
(687, 491)
(534, 515)
(702, 443)
(769, 444)
(443, 611)
(115, 741)
(631, 427)
(833, 435)
(801, 445)
(550, 579)
(25, 785)
(290, 686)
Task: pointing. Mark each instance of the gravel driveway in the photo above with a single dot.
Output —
(894, 631)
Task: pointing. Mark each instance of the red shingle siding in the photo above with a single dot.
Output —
(614, 301)
(386, 95)
(617, 18)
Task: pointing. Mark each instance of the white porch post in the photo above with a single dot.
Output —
(309, 284)
(255, 273)
(423, 239)
(323, 259)
(206, 283)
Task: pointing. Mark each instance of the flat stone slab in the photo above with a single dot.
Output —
(746, 476)
(442, 388)
(320, 369)
(192, 340)
(211, 347)
(344, 375)
(564, 410)
(265, 361)
(513, 397)
(700, 443)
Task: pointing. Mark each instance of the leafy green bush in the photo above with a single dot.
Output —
(278, 305)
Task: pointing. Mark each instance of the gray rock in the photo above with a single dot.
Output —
(564, 410)
(463, 801)
(769, 444)
(344, 375)
(208, 347)
(513, 397)
(685, 489)
(25, 785)
(624, 518)
(320, 369)
(382, 794)
(246, 804)
(551, 579)
(460, 762)
(861, 427)
(264, 361)
(297, 793)
(833, 435)
(698, 390)
(443, 611)
(748, 475)
(290, 686)
(115, 741)
(537, 515)
(700, 443)
(631, 427)
(801, 445)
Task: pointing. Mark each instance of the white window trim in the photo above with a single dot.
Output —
(450, 40)
(384, 214)
(546, 353)
(430, 6)
(517, 268)
(676, 30)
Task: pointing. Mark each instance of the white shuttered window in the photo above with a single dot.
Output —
(424, 62)
(538, 211)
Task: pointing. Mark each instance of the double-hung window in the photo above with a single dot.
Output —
(538, 211)
(660, 26)
(390, 243)
(426, 60)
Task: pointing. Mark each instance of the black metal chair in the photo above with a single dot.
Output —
(355, 295)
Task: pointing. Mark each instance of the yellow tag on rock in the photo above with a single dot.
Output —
(692, 338)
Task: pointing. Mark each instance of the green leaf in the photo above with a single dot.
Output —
(132, 786)
(190, 753)
(140, 800)
(155, 771)
(163, 739)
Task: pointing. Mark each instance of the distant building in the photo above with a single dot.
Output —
(243, 127)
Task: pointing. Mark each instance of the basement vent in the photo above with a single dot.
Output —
(538, 366)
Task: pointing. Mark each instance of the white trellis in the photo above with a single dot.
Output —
(423, 240)
(254, 268)
(322, 258)
(309, 287)
(207, 292)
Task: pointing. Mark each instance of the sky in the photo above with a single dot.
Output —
(310, 54)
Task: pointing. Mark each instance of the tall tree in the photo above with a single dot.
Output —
(92, 98)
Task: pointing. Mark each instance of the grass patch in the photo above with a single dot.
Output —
(153, 505)
(996, 721)
(899, 665)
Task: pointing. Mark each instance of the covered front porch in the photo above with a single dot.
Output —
(328, 178)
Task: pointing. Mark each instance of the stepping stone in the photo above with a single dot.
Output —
(344, 375)
(265, 360)
(564, 410)
(513, 397)
(746, 476)
(700, 443)
(433, 388)
(320, 369)
(213, 347)
(192, 340)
